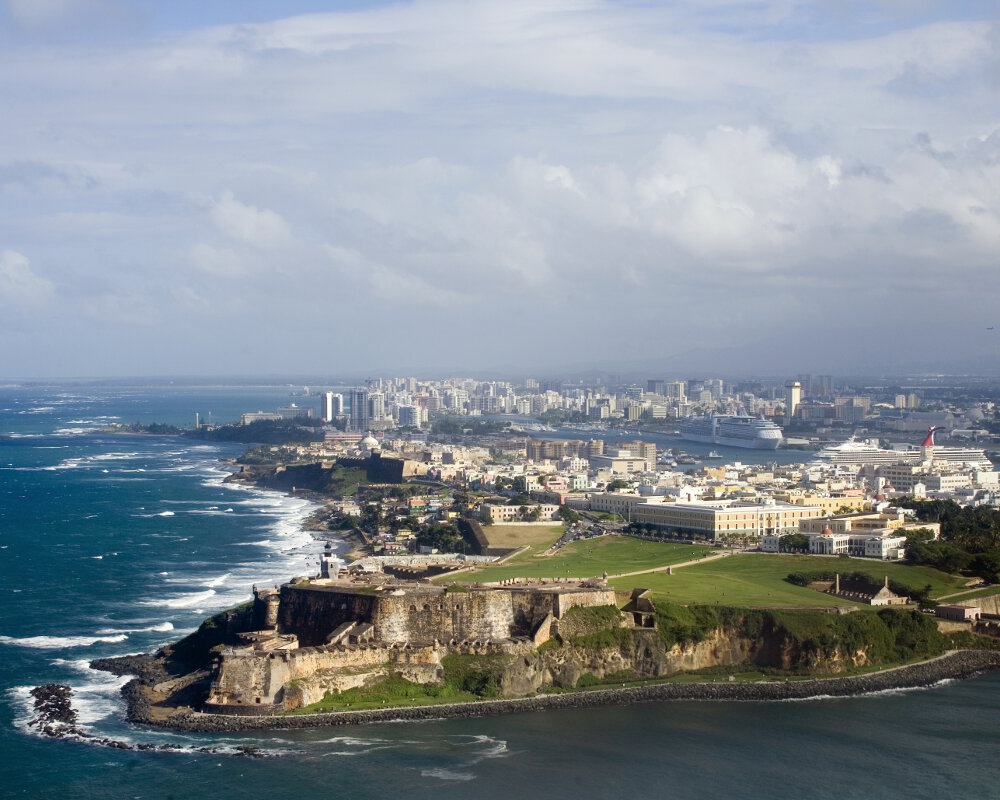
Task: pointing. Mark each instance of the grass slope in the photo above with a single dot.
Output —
(757, 580)
(589, 558)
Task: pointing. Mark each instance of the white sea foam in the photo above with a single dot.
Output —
(73, 431)
(165, 514)
(183, 601)
(128, 456)
(351, 741)
(24, 708)
(447, 774)
(878, 693)
(99, 699)
(216, 582)
(79, 664)
(160, 627)
(66, 463)
(60, 642)
(94, 700)
(492, 748)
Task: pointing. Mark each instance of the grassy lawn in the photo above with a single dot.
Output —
(541, 537)
(758, 580)
(588, 558)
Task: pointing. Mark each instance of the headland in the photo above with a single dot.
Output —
(343, 648)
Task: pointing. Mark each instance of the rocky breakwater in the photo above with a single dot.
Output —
(956, 665)
(55, 717)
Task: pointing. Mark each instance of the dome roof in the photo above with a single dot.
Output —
(370, 443)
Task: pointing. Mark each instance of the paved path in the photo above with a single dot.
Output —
(666, 567)
(970, 590)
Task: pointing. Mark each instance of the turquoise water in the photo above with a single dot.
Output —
(117, 544)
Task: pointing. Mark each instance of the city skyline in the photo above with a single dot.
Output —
(724, 188)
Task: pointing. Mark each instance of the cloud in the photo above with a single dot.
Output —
(498, 164)
(20, 287)
(260, 228)
(32, 175)
(223, 261)
(63, 17)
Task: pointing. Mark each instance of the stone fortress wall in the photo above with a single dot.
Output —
(328, 635)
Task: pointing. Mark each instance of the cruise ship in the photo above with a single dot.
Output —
(867, 452)
(854, 453)
(731, 431)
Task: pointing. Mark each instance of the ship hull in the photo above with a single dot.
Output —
(728, 431)
(751, 444)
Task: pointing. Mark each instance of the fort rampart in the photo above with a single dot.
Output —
(322, 636)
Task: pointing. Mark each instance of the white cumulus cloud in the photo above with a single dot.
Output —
(19, 285)
(261, 228)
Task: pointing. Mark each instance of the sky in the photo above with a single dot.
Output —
(738, 187)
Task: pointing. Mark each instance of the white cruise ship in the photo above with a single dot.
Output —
(861, 453)
(731, 431)
(858, 454)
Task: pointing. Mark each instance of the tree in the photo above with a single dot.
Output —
(793, 543)
(567, 514)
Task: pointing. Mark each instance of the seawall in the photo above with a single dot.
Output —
(955, 665)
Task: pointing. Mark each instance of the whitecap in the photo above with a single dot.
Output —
(183, 601)
(161, 627)
(60, 642)
(446, 774)
(165, 514)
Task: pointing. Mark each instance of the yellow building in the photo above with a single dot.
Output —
(830, 504)
(726, 519)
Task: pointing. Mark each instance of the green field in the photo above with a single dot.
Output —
(539, 537)
(589, 558)
(757, 580)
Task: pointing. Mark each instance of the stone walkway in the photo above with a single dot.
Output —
(671, 567)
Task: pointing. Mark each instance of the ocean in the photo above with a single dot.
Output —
(115, 544)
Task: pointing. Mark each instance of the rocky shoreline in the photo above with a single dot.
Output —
(56, 718)
(955, 665)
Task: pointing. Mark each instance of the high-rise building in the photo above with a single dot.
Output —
(409, 417)
(359, 409)
(333, 406)
(376, 405)
(793, 396)
(676, 391)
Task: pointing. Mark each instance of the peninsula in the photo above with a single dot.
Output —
(321, 650)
